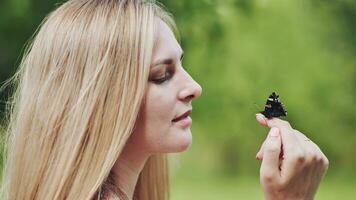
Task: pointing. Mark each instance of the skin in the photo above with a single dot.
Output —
(170, 93)
(291, 167)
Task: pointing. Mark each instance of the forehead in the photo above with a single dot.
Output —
(166, 44)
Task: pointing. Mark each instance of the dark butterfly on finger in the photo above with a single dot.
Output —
(274, 107)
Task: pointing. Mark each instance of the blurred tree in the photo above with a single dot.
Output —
(240, 51)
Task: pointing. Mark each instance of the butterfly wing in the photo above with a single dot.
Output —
(274, 107)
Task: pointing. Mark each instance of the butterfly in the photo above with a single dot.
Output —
(274, 107)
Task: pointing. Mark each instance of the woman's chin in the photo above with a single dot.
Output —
(183, 140)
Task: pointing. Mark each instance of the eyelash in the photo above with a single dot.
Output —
(167, 75)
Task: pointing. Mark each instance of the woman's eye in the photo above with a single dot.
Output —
(160, 80)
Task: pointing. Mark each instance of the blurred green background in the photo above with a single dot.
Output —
(240, 51)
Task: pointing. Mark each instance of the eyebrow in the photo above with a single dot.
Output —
(167, 61)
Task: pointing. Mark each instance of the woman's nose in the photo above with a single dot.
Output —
(191, 90)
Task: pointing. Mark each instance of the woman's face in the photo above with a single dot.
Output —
(169, 95)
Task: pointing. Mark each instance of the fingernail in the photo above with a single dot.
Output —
(260, 117)
(274, 132)
(257, 157)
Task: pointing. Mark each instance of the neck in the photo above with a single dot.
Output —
(128, 168)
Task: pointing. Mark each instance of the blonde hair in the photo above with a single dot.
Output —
(78, 92)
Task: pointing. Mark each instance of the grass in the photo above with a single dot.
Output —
(249, 189)
(216, 189)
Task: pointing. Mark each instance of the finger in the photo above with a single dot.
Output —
(279, 123)
(299, 158)
(289, 139)
(293, 154)
(274, 122)
(259, 154)
(270, 163)
(261, 119)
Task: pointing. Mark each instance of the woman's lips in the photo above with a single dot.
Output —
(184, 122)
(182, 116)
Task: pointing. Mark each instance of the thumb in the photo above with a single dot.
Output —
(272, 149)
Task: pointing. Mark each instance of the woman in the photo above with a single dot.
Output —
(102, 96)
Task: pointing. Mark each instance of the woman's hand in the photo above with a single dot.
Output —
(292, 165)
